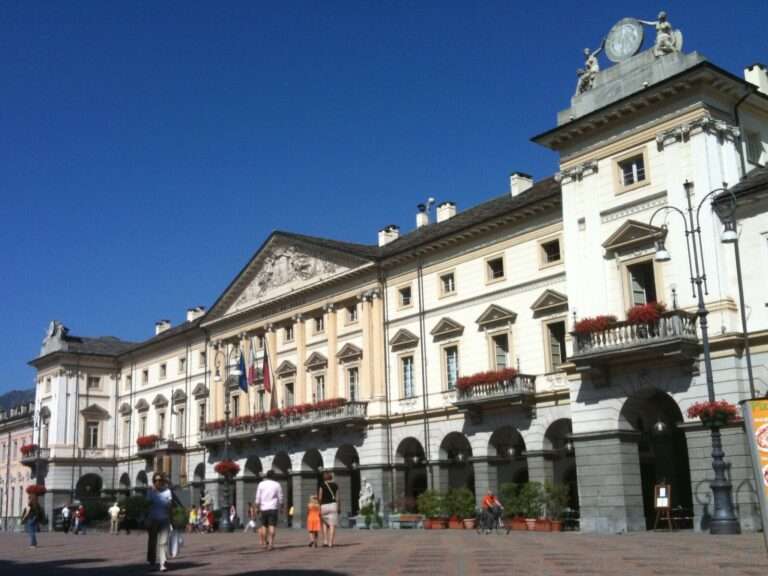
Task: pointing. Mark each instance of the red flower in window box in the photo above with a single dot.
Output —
(717, 413)
(227, 468)
(147, 441)
(36, 489)
(28, 449)
(275, 413)
(594, 324)
(645, 313)
(467, 382)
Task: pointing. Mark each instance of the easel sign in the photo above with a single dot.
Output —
(662, 501)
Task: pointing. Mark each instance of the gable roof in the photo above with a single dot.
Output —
(633, 233)
(549, 300)
(495, 313)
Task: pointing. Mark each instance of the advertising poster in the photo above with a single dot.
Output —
(756, 420)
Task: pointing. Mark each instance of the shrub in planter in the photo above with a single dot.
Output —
(594, 324)
(711, 414)
(431, 504)
(464, 503)
(530, 500)
(227, 468)
(556, 498)
(645, 313)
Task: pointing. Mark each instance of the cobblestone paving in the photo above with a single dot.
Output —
(386, 552)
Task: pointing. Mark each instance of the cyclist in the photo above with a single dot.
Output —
(491, 511)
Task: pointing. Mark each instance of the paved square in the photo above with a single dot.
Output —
(385, 552)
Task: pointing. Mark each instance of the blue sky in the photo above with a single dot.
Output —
(148, 148)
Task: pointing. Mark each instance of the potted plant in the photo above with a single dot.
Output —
(465, 507)
(556, 497)
(529, 500)
(449, 504)
(430, 504)
(508, 495)
(714, 414)
(227, 468)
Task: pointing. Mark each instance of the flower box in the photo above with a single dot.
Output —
(28, 449)
(467, 382)
(645, 313)
(149, 441)
(227, 468)
(714, 414)
(594, 324)
(36, 489)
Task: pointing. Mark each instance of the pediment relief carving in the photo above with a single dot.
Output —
(632, 234)
(286, 368)
(200, 391)
(550, 300)
(160, 401)
(95, 412)
(349, 352)
(404, 339)
(125, 409)
(495, 314)
(316, 360)
(447, 327)
(142, 405)
(179, 396)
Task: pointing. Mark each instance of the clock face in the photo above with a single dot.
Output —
(624, 40)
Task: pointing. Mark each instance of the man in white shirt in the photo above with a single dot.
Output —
(65, 512)
(269, 499)
(114, 514)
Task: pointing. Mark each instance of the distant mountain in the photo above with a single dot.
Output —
(16, 397)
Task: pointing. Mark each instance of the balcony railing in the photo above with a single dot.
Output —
(240, 428)
(620, 337)
(513, 389)
(35, 455)
(159, 445)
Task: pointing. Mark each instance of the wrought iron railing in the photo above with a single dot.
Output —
(672, 325)
(519, 386)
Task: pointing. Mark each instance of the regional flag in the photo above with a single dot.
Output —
(252, 366)
(266, 374)
(242, 380)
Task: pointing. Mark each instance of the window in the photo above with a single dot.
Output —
(201, 416)
(351, 314)
(288, 334)
(182, 365)
(47, 385)
(91, 434)
(163, 370)
(236, 406)
(642, 283)
(556, 345)
(447, 284)
(495, 269)
(500, 351)
(631, 171)
(319, 325)
(202, 359)
(126, 433)
(319, 387)
(353, 382)
(145, 376)
(260, 342)
(181, 422)
(45, 433)
(93, 382)
(289, 396)
(261, 401)
(143, 425)
(406, 371)
(451, 354)
(550, 252)
(128, 381)
(404, 296)
(161, 424)
(754, 147)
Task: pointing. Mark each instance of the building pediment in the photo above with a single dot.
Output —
(447, 327)
(632, 234)
(200, 391)
(125, 409)
(95, 412)
(160, 401)
(315, 361)
(495, 314)
(349, 352)
(549, 301)
(286, 368)
(142, 405)
(404, 339)
(179, 396)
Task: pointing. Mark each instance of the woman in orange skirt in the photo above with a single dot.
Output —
(313, 520)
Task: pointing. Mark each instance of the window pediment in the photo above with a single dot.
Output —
(316, 360)
(495, 314)
(142, 405)
(125, 409)
(179, 397)
(160, 401)
(349, 352)
(200, 391)
(447, 327)
(95, 412)
(550, 300)
(286, 367)
(404, 339)
(632, 234)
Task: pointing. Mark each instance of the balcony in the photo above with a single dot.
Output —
(150, 446)
(350, 414)
(34, 455)
(516, 390)
(673, 336)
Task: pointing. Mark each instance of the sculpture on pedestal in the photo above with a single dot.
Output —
(591, 68)
(366, 495)
(667, 39)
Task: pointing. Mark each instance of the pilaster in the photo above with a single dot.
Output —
(300, 387)
(331, 332)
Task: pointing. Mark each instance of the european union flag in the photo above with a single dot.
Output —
(243, 379)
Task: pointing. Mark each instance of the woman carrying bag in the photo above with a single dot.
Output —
(328, 496)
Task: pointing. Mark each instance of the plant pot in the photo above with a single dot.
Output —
(469, 523)
(530, 524)
(518, 523)
(439, 523)
(426, 524)
(557, 525)
(716, 422)
(455, 524)
(543, 525)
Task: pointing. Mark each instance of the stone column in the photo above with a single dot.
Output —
(344, 481)
(331, 330)
(240, 502)
(300, 386)
(485, 479)
(440, 479)
(610, 489)
(540, 466)
(377, 343)
(366, 368)
(304, 486)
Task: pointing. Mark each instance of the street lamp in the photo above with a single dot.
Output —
(224, 523)
(724, 519)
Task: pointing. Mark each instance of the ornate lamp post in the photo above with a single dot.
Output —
(724, 519)
(224, 523)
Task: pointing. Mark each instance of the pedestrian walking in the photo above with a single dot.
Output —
(123, 523)
(66, 518)
(114, 518)
(328, 496)
(192, 520)
(233, 520)
(313, 521)
(31, 518)
(251, 525)
(269, 499)
(80, 520)
(161, 502)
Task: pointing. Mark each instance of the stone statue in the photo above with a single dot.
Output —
(667, 39)
(589, 72)
(366, 495)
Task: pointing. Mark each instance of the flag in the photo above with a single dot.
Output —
(252, 365)
(266, 374)
(242, 380)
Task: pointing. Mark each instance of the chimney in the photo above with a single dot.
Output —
(161, 326)
(388, 234)
(445, 211)
(422, 217)
(757, 74)
(519, 182)
(195, 313)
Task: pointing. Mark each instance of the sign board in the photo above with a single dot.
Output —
(756, 426)
(662, 496)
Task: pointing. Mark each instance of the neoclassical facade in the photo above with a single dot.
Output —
(16, 429)
(374, 352)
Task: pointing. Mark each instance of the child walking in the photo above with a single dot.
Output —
(313, 520)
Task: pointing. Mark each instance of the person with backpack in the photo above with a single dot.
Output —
(31, 517)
